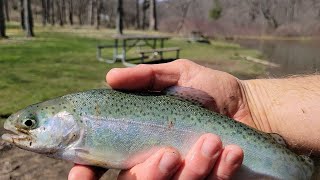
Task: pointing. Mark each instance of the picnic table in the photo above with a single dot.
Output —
(124, 43)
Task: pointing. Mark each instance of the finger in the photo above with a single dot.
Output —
(79, 172)
(201, 158)
(228, 163)
(161, 165)
(152, 77)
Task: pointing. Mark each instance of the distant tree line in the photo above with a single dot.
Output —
(110, 13)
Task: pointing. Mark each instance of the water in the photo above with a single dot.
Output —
(294, 57)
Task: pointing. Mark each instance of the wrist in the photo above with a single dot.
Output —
(257, 97)
(288, 107)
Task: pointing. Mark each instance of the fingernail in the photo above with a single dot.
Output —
(210, 149)
(231, 157)
(168, 162)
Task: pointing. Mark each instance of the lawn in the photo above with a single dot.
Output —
(62, 60)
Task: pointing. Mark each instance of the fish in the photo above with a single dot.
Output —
(119, 129)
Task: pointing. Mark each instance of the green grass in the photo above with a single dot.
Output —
(62, 60)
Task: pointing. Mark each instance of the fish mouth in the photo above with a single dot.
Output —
(13, 138)
(15, 134)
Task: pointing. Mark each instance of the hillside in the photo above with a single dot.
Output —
(243, 17)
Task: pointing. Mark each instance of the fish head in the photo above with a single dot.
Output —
(43, 128)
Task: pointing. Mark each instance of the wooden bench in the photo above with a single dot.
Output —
(160, 51)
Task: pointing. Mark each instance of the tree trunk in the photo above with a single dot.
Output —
(59, 12)
(80, 17)
(44, 12)
(145, 6)
(2, 21)
(48, 10)
(98, 10)
(153, 15)
(80, 12)
(22, 15)
(71, 12)
(6, 10)
(28, 19)
(91, 13)
(137, 15)
(119, 23)
(53, 20)
(63, 11)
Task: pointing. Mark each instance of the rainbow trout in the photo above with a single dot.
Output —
(116, 129)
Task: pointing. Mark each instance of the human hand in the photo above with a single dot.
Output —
(223, 87)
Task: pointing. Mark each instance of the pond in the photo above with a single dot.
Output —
(294, 57)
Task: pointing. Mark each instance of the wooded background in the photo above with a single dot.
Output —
(211, 17)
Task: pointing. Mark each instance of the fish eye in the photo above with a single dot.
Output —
(29, 123)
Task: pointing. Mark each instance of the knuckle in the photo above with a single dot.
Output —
(184, 62)
(199, 171)
(223, 177)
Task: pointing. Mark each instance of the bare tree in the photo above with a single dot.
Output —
(119, 21)
(44, 12)
(53, 20)
(6, 9)
(81, 8)
(59, 12)
(2, 21)
(98, 10)
(185, 8)
(22, 15)
(48, 10)
(28, 19)
(91, 12)
(63, 11)
(145, 6)
(70, 4)
(137, 14)
(153, 15)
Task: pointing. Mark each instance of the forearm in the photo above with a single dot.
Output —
(289, 107)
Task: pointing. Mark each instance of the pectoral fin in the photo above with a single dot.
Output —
(87, 158)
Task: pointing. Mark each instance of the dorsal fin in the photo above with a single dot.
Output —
(195, 96)
(278, 138)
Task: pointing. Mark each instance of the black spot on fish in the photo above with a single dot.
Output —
(265, 138)
(30, 143)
